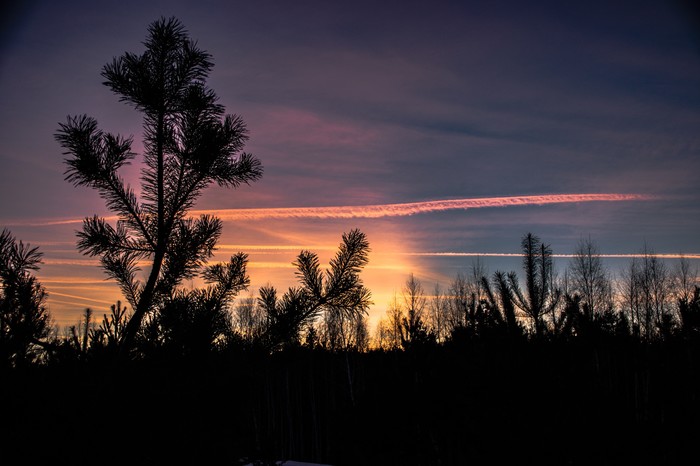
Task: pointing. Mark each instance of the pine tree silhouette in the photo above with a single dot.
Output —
(189, 144)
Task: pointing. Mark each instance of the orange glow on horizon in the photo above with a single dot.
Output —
(74, 281)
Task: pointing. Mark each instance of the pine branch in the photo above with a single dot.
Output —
(99, 237)
(191, 243)
(519, 299)
(309, 272)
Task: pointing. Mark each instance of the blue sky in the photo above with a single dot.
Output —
(364, 103)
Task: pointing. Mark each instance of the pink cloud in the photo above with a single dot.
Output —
(412, 208)
(288, 125)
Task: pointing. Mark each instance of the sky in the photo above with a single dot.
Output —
(443, 130)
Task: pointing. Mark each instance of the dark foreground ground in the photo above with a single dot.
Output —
(478, 403)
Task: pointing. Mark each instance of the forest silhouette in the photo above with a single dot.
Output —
(529, 366)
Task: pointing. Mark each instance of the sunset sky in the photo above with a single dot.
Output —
(440, 129)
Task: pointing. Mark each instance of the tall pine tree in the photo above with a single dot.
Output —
(189, 143)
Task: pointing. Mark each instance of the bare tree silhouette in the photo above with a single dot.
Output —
(685, 281)
(590, 279)
(414, 331)
(189, 144)
(389, 336)
(438, 314)
(338, 331)
(248, 319)
(689, 310)
(646, 289)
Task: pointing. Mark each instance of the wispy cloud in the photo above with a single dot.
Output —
(272, 247)
(72, 296)
(413, 208)
(565, 256)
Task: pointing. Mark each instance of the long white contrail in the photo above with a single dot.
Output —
(387, 210)
(413, 208)
(694, 256)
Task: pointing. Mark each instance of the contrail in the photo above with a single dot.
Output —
(413, 208)
(690, 256)
(72, 296)
(386, 210)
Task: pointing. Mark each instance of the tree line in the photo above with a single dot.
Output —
(649, 301)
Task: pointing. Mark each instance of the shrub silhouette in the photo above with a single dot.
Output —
(24, 320)
(339, 290)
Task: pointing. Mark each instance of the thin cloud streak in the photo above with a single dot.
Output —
(72, 281)
(72, 296)
(272, 248)
(413, 208)
(564, 256)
